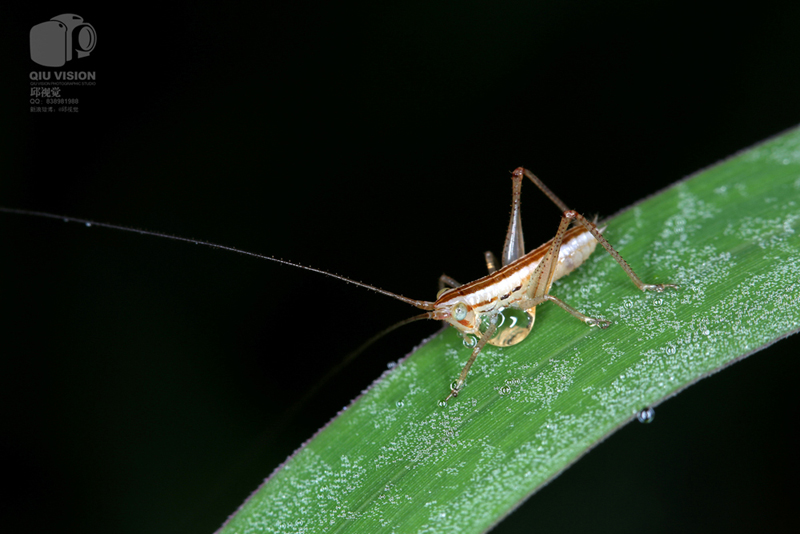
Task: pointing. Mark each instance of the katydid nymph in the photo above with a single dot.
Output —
(481, 310)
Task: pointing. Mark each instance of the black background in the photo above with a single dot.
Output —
(149, 385)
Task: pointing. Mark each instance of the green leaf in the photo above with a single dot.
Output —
(397, 461)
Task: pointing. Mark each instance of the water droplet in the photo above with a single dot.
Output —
(470, 341)
(442, 403)
(658, 302)
(505, 390)
(88, 225)
(400, 404)
(513, 326)
(671, 350)
(646, 416)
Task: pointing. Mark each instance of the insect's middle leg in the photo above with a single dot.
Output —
(591, 321)
(542, 279)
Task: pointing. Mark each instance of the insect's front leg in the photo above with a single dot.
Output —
(456, 386)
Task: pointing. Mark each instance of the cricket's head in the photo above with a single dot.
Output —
(513, 324)
(453, 308)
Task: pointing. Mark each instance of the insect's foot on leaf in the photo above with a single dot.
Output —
(453, 393)
(455, 387)
(659, 287)
(602, 323)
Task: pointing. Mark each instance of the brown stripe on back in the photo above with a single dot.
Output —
(502, 273)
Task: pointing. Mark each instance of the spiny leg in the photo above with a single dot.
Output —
(580, 219)
(542, 279)
(530, 307)
(546, 190)
(542, 276)
(591, 321)
(485, 337)
(514, 246)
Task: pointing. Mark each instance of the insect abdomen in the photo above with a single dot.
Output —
(573, 253)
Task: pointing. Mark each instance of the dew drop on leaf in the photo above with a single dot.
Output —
(646, 416)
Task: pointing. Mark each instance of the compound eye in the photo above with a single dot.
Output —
(459, 312)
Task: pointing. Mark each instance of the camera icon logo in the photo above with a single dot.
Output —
(54, 42)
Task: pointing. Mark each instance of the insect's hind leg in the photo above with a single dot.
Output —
(546, 190)
(542, 279)
(591, 227)
(514, 246)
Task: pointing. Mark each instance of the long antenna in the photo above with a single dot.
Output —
(421, 304)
